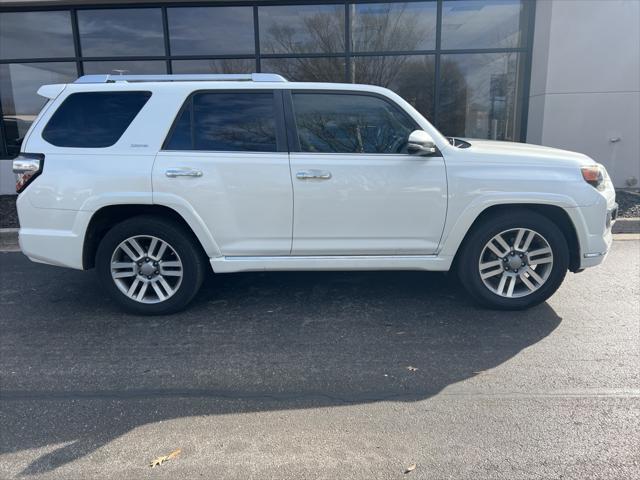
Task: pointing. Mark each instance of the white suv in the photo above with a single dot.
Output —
(155, 179)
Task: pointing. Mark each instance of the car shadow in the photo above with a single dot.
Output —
(77, 373)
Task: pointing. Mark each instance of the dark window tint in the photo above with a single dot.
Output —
(340, 123)
(93, 120)
(227, 122)
(36, 35)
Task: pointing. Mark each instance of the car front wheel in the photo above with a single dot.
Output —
(514, 260)
(150, 266)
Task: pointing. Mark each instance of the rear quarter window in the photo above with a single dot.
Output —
(93, 119)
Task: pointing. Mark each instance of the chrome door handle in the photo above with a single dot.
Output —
(182, 172)
(313, 175)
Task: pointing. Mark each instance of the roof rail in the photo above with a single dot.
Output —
(218, 77)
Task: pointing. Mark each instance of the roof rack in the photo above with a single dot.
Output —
(222, 77)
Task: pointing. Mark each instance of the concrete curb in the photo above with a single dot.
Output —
(9, 240)
(627, 225)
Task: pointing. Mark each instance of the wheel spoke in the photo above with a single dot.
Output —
(528, 239)
(502, 283)
(152, 247)
(525, 280)
(159, 292)
(125, 248)
(540, 251)
(165, 285)
(142, 291)
(161, 250)
(492, 273)
(516, 242)
(123, 274)
(512, 284)
(532, 273)
(133, 287)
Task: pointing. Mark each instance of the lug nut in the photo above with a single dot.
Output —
(506, 268)
(516, 270)
(139, 264)
(157, 272)
(149, 277)
(523, 264)
(505, 259)
(146, 259)
(521, 255)
(155, 264)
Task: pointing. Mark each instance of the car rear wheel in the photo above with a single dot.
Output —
(513, 260)
(150, 266)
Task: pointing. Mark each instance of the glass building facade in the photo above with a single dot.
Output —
(464, 64)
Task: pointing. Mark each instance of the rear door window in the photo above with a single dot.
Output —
(93, 119)
(226, 122)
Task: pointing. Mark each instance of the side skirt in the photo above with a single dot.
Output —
(333, 262)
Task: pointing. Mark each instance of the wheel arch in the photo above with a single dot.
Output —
(106, 217)
(555, 213)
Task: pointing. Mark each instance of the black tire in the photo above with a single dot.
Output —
(473, 246)
(189, 252)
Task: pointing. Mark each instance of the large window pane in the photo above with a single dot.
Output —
(126, 67)
(394, 26)
(93, 119)
(350, 123)
(226, 122)
(211, 30)
(121, 32)
(21, 104)
(330, 69)
(410, 76)
(481, 95)
(302, 29)
(233, 65)
(35, 35)
(482, 23)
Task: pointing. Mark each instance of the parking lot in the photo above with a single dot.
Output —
(306, 375)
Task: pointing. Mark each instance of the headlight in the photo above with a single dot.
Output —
(594, 175)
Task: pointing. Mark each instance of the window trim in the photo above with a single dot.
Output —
(148, 93)
(281, 136)
(292, 126)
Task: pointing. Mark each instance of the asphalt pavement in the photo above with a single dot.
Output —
(306, 375)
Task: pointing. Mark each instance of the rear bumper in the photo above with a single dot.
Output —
(52, 236)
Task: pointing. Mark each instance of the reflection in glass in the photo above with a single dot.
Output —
(19, 83)
(393, 26)
(482, 23)
(329, 69)
(234, 122)
(302, 29)
(126, 67)
(121, 32)
(228, 65)
(341, 123)
(211, 30)
(36, 35)
(410, 76)
(480, 95)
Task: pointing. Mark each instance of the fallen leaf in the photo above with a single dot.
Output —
(164, 458)
(410, 468)
(412, 369)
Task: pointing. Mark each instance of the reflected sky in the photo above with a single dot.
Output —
(211, 31)
(35, 35)
(121, 32)
(302, 29)
(131, 67)
(394, 26)
(481, 23)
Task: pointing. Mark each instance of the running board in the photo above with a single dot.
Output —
(331, 262)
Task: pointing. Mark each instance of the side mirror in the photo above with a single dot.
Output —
(421, 143)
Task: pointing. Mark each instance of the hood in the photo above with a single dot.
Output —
(497, 149)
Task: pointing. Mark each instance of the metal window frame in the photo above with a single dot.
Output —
(348, 55)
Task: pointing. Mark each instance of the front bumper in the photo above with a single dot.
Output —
(593, 226)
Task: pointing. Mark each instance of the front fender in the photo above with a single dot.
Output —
(460, 220)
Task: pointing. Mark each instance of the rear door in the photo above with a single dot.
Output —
(226, 157)
(356, 189)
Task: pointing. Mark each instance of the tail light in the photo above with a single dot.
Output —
(593, 175)
(27, 166)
